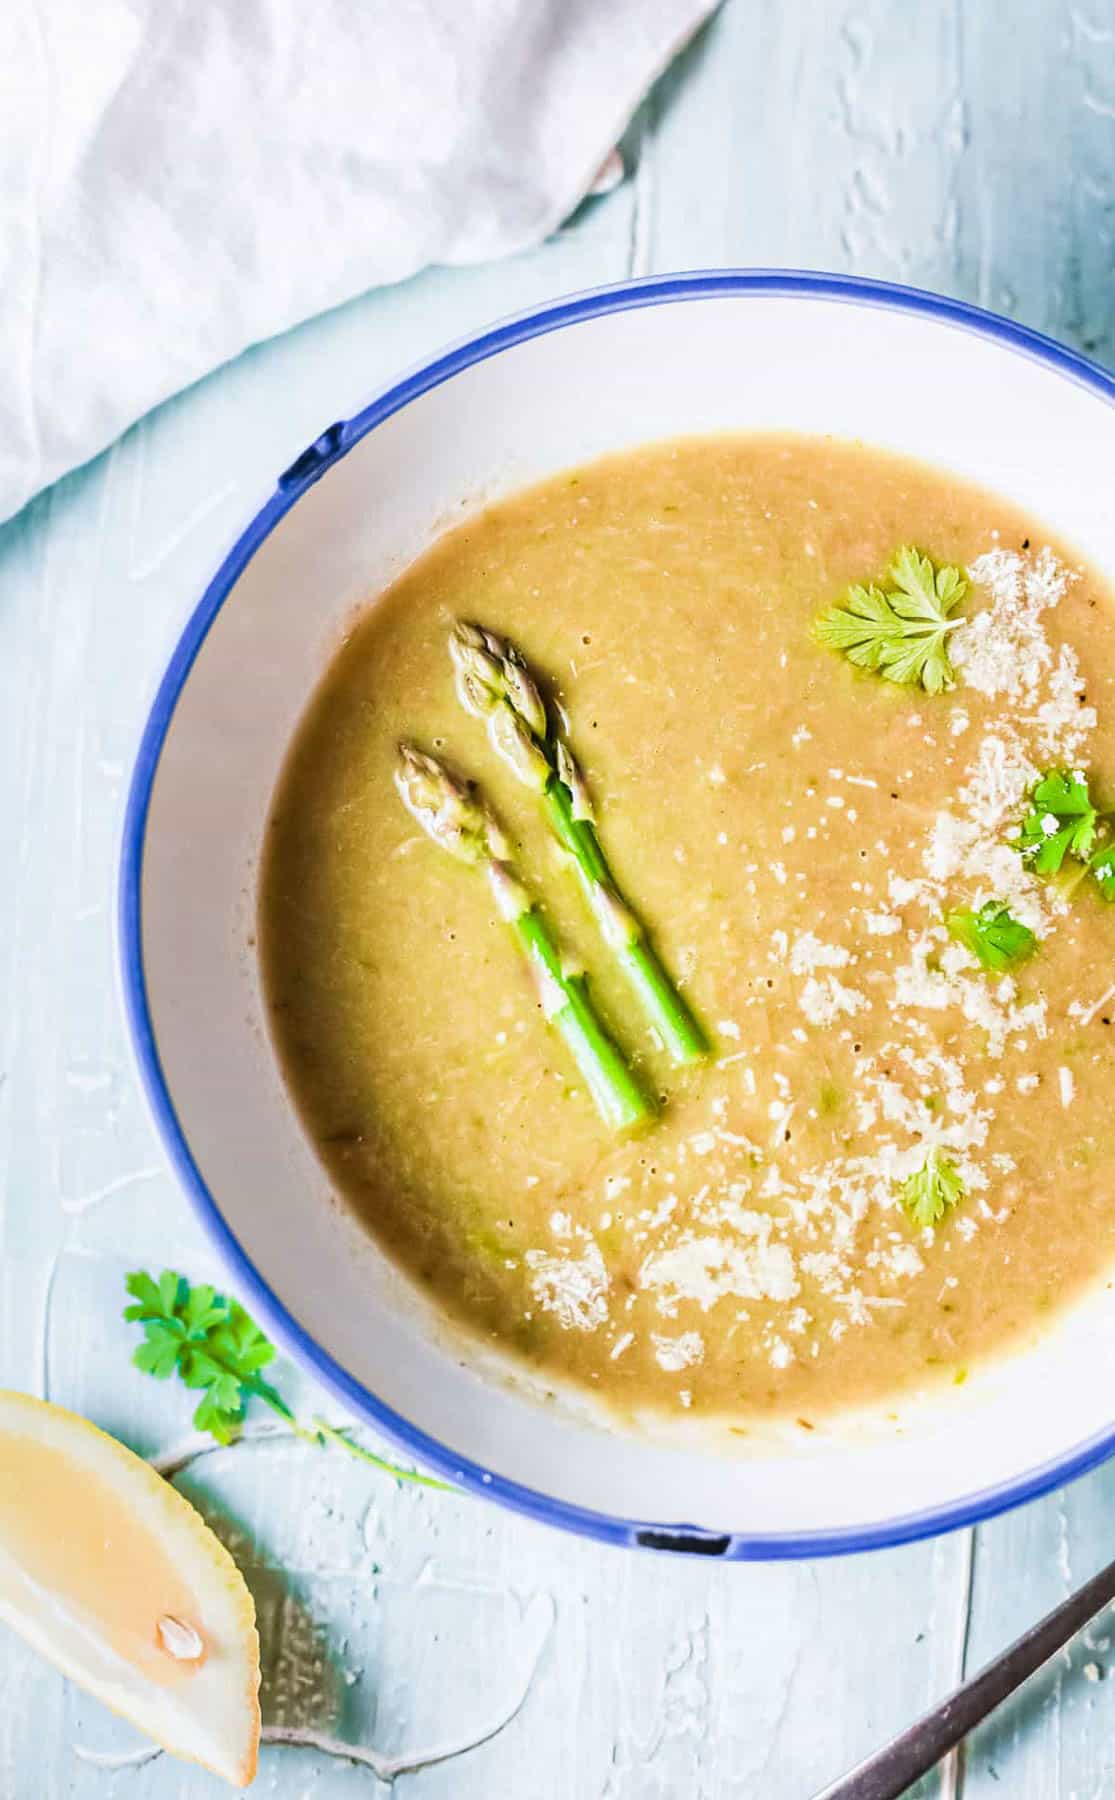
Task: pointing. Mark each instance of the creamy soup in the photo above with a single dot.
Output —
(894, 1159)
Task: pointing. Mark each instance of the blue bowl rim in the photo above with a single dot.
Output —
(366, 1406)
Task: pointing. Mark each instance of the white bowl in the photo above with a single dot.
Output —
(646, 360)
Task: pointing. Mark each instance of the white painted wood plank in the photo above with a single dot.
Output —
(820, 136)
(1055, 1738)
(968, 149)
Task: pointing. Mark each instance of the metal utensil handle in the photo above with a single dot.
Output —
(892, 1771)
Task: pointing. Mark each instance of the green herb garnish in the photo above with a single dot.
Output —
(929, 1194)
(1064, 821)
(209, 1341)
(213, 1345)
(901, 632)
(1103, 868)
(1061, 822)
(992, 934)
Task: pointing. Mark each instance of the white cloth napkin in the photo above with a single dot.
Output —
(182, 178)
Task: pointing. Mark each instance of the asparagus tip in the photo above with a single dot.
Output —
(445, 806)
(491, 670)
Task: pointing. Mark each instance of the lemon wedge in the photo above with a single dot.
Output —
(110, 1573)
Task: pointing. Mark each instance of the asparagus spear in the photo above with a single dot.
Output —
(453, 813)
(494, 684)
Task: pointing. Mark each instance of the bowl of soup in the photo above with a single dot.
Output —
(618, 913)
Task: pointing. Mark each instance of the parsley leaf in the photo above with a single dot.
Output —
(1103, 868)
(1061, 821)
(217, 1349)
(1064, 821)
(209, 1341)
(928, 1194)
(993, 934)
(901, 633)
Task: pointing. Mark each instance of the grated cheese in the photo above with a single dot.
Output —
(705, 1268)
(1085, 1014)
(1003, 649)
(574, 1289)
(810, 953)
(675, 1354)
(881, 924)
(825, 1000)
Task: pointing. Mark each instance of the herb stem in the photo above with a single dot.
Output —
(329, 1433)
(319, 1433)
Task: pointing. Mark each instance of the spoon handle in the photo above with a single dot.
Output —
(893, 1770)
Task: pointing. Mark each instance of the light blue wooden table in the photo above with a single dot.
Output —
(965, 148)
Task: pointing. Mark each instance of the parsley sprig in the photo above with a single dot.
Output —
(994, 936)
(1064, 821)
(900, 632)
(216, 1348)
(1061, 821)
(1102, 867)
(932, 1191)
